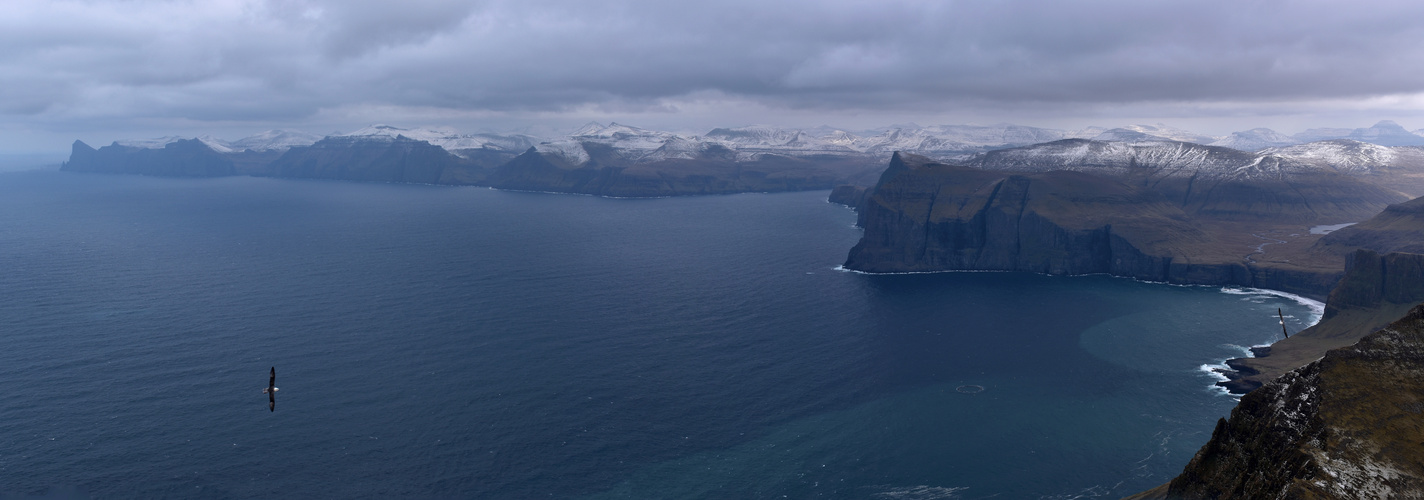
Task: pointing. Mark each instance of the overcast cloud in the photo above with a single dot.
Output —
(105, 70)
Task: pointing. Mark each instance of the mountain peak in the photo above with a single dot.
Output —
(590, 128)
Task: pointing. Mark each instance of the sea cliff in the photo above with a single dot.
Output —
(399, 159)
(924, 215)
(183, 158)
(1346, 426)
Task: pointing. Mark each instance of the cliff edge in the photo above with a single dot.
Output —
(1349, 425)
(1376, 290)
(925, 215)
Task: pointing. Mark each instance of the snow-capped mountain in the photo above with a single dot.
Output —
(754, 137)
(151, 143)
(627, 143)
(1255, 139)
(274, 140)
(572, 152)
(1128, 136)
(1349, 156)
(1384, 133)
(623, 144)
(1183, 159)
(448, 139)
(1172, 133)
(952, 141)
(270, 140)
(767, 139)
(1160, 158)
(623, 136)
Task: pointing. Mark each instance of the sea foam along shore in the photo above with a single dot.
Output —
(1317, 308)
(1217, 370)
(1222, 371)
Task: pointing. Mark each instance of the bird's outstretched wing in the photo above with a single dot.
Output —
(271, 391)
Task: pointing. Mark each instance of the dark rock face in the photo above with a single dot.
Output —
(1371, 279)
(989, 220)
(476, 165)
(1346, 426)
(1301, 198)
(185, 158)
(929, 216)
(850, 196)
(345, 158)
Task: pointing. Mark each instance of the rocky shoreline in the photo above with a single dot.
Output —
(1342, 426)
(1236, 381)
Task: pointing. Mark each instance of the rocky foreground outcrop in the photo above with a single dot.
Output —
(1347, 426)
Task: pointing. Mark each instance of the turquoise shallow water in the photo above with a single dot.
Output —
(459, 342)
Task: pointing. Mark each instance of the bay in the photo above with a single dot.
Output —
(436, 341)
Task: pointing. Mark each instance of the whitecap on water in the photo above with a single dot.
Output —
(921, 492)
(1317, 308)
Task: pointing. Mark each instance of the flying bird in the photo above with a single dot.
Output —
(271, 391)
(1283, 322)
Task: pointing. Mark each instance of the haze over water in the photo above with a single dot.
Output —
(464, 342)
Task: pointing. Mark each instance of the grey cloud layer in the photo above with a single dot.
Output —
(272, 60)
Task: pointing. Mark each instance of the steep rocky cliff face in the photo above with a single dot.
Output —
(392, 160)
(184, 158)
(850, 196)
(1375, 291)
(1372, 280)
(927, 216)
(1348, 426)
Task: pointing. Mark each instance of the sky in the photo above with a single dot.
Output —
(105, 70)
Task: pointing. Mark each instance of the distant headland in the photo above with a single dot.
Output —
(623, 161)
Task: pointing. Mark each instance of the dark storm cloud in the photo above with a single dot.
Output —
(284, 59)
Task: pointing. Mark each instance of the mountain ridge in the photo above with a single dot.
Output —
(842, 156)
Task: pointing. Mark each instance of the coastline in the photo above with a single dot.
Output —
(1230, 373)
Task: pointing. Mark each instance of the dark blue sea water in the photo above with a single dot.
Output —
(463, 342)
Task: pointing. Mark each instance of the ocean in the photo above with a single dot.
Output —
(460, 342)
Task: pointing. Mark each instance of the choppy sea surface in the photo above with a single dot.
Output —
(463, 342)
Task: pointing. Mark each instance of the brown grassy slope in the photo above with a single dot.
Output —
(1346, 426)
(1375, 291)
